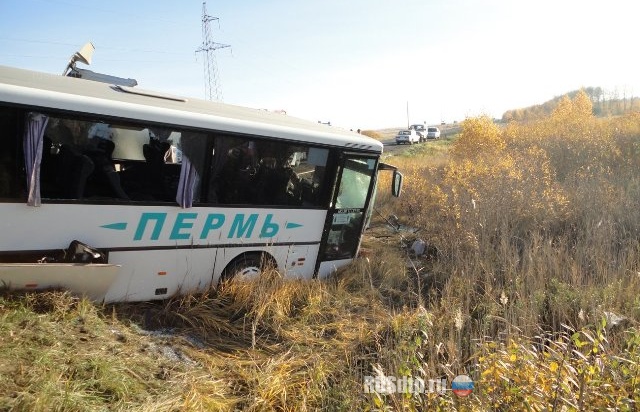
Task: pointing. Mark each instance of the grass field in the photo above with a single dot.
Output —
(530, 285)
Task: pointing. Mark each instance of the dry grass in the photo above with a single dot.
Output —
(537, 235)
(273, 344)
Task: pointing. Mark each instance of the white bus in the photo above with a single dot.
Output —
(127, 195)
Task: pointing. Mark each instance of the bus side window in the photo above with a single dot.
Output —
(232, 167)
(71, 160)
(10, 187)
(313, 176)
(267, 173)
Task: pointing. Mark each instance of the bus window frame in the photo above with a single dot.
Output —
(327, 194)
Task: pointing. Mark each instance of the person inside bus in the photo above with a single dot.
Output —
(64, 168)
(64, 132)
(100, 150)
(233, 182)
(275, 182)
(7, 173)
(154, 154)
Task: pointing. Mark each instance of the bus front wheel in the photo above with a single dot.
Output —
(247, 266)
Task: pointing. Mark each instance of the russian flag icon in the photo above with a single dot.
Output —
(462, 386)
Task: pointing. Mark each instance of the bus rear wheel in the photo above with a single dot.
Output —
(247, 266)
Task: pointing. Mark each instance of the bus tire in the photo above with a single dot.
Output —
(247, 266)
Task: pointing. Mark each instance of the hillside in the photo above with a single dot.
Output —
(604, 103)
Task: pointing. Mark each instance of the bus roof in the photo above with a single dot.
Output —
(58, 92)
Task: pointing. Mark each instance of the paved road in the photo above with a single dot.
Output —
(390, 146)
(390, 142)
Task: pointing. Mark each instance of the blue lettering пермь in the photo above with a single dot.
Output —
(269, 229)
(239, 226)
(180, 224)
(242, 226)
(142, 224)
(214, 221)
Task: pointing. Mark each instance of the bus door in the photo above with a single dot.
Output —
(347, 214)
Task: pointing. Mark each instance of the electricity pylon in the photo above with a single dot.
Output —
(208, 47)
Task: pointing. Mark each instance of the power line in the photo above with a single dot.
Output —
(208, 47)
(14, 39)
(123, 49)
(141, 17)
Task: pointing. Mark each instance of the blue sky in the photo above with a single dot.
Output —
(355, 63)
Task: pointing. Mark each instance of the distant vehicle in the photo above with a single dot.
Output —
(407, 136)
(420, 130)
(433, 133)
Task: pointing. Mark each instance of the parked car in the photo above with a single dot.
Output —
(433, 133)
(407, 136)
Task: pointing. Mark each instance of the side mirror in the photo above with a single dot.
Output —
(396, 184)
